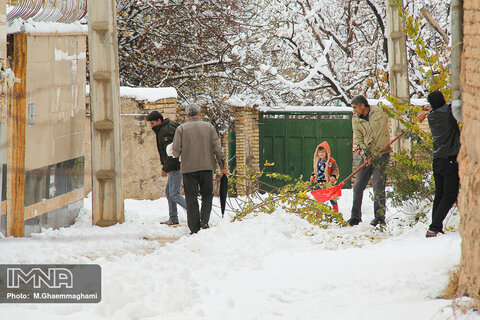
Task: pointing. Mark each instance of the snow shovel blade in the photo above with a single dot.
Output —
(322, 195)
(223, 192)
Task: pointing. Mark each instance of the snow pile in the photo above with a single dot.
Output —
(144, 94)
(35, 27)
(148, 94)
(274, 266)
(306, 109)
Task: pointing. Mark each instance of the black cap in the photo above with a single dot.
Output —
(436, 99)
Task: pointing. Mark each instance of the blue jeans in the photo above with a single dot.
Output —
(174, 197)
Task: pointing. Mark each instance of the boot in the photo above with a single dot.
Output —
(335, 207)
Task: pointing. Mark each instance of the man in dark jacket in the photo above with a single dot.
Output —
(446, 145)
(165, 131)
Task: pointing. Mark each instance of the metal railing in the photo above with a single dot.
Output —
(65, 11)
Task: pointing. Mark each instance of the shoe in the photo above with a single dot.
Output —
(431, 234)
(353, 221)
(204, 226)
(375, 222)
(170, 222)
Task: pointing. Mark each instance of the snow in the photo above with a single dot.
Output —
(148, 94)
(306, 109)
(274, 266)
(144, 94)
(374, 102)
(414, 102)
(35, 27)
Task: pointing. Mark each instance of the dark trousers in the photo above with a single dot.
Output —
(192, 181)
(379, 179)
(445, 173)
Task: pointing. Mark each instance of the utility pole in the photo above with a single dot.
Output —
(107, 194)
(398, 66)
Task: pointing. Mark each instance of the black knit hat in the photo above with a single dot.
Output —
(436, 99)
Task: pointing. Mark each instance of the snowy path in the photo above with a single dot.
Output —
(265, 267)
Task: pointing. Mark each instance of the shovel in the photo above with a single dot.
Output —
(331, 193)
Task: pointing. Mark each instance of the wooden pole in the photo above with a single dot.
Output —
(3, 94)
(16, 132)
(107, 193)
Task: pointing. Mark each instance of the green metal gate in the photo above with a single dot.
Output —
(289, 137)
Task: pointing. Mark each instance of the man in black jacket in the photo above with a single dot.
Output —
(446, 145)
(165, 131)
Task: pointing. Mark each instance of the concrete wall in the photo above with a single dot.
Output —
(469, 159)
(56, 75)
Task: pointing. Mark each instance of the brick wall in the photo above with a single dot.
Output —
(469, 159)
(247, 140)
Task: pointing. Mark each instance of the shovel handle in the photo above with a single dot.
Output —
(369, 159)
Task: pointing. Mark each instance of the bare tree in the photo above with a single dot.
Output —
(262, 52)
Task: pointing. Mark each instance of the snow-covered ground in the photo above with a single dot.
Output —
(265, 267)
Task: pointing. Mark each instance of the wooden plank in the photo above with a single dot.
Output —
(3, 96)
(435, 25)
(16, 132)
(49, 205)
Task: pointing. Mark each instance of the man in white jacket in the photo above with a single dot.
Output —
(199, 146)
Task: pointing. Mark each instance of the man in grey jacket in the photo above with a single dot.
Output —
(199, 146)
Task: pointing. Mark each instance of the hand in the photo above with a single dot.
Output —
(367, 161)
(333, 180)
(225, 168)
(421, 117)
(164, 174)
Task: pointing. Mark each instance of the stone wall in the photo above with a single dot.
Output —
(247, 142)
(469, 159)
(141, 162)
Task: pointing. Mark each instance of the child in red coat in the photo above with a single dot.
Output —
(325, 168)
